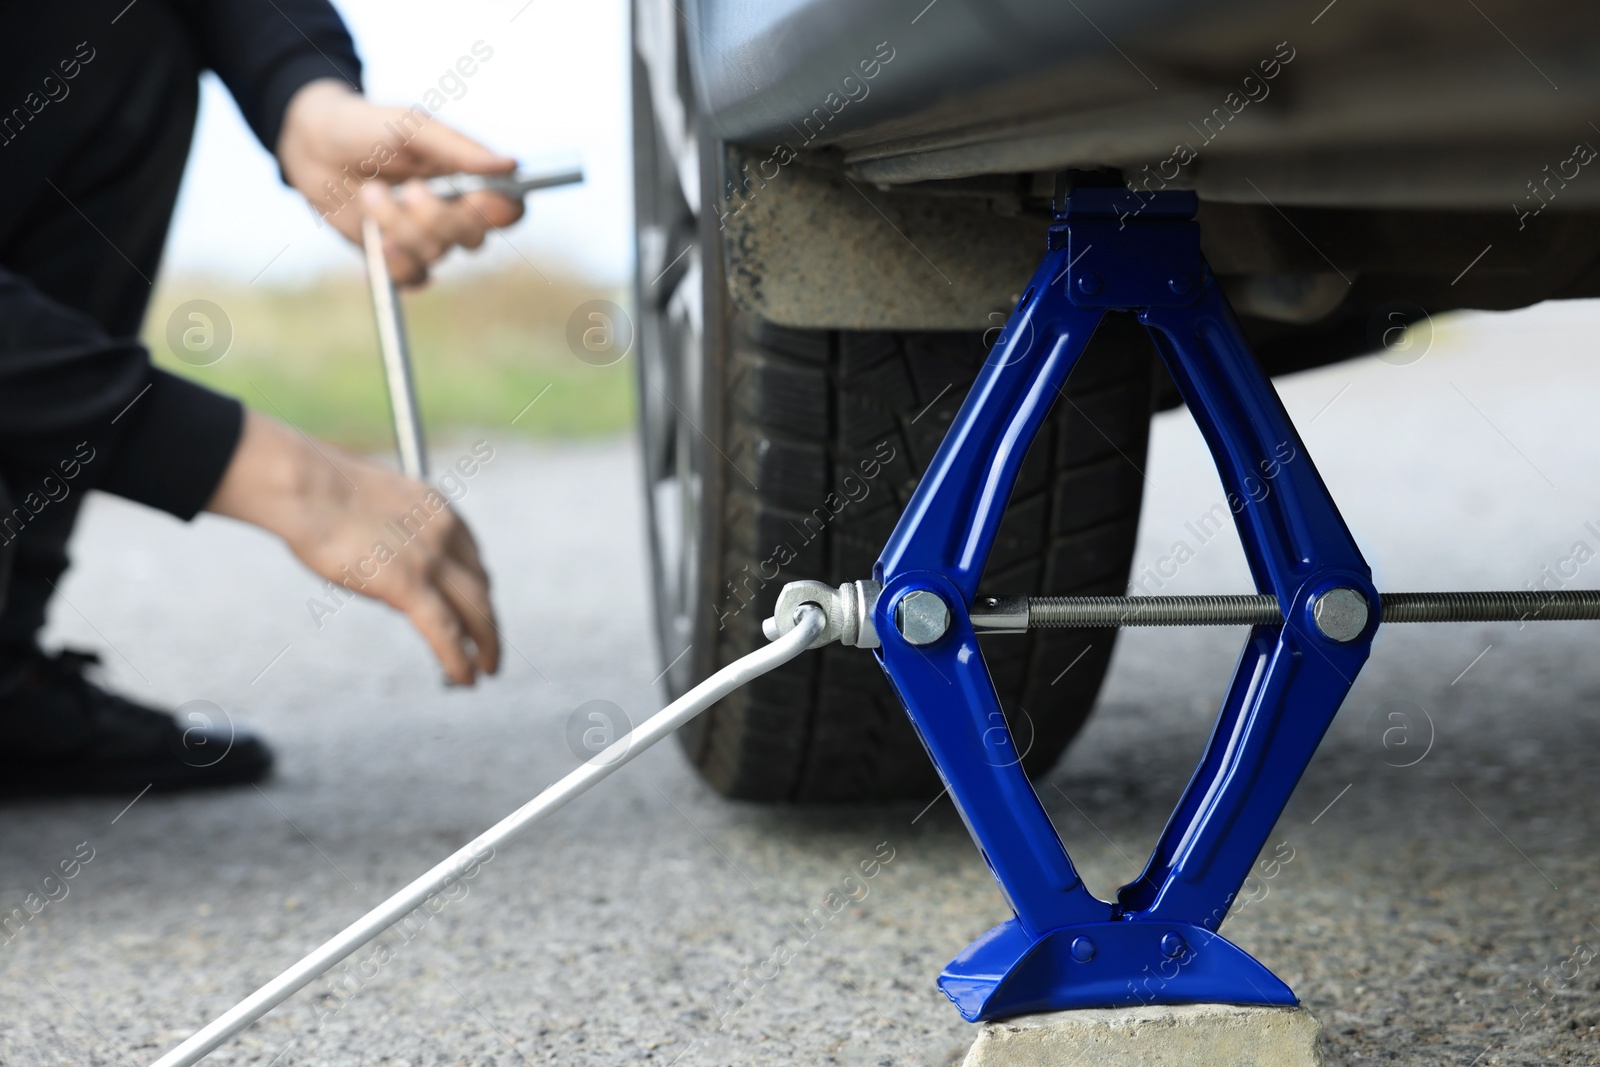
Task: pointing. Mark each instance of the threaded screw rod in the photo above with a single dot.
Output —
(1001, 614)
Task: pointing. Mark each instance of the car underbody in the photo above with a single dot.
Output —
(1356, 167)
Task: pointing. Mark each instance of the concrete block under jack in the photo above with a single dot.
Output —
(1184, 1035)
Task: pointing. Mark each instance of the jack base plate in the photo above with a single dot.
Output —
(1009, 972)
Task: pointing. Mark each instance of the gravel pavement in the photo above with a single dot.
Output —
(1439, 906)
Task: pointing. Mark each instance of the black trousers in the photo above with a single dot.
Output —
(87, 187)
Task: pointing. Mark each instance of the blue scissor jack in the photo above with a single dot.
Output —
(1111, 249)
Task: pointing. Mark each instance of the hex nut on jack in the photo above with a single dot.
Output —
(923, 617)
(1341, 614)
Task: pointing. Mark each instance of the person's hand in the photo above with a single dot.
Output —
(372, 531)
(344, 154)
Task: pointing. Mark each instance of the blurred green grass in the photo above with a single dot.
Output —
(482, 347)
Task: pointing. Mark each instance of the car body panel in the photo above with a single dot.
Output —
(1433, 104)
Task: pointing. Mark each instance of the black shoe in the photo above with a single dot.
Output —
(60, 735)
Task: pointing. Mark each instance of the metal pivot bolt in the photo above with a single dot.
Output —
(923, 617)
(1341, 614)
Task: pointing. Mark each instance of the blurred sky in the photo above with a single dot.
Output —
(554, 92)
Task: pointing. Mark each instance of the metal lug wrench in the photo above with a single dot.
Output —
(386, 302)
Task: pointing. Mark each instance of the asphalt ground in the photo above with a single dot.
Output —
(1438, 904)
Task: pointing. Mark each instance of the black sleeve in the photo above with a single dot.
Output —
(264, 50)
(67, 391)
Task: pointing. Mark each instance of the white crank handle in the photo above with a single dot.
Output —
(741, 671)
